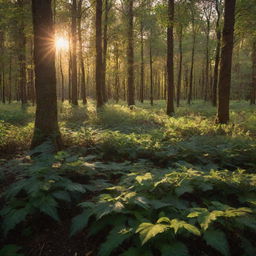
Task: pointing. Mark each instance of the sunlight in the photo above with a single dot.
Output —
(61, 43)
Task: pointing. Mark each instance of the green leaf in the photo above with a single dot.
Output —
(14, 217)
(149, 230)
(137, 252)
(115, 238)
(80, 222)
(217, 240)
(62, 195)
(184, 188)
(175, 249)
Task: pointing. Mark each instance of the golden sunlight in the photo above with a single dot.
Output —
(61, 43)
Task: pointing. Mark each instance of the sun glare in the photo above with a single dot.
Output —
(61, 43)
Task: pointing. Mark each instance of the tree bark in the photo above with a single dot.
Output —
(74, 53)
(151, 70)
(190, 89)
(81, 60)
(217, 57)
(253, 88)
(170, 67)
(105, 48)
(180, 65)
(226, 62)
(22, 55)
(98, 78)
(46, 122)
(130, 55)
(141, 63)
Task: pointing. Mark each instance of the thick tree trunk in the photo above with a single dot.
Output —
(253, 88)
(141, 63)
(74, 53)
(217, 58)
(98, 78)
(46, 123)
(226, 62)
(180, 65)
(130, 56)
(81, 60)
(170, 67)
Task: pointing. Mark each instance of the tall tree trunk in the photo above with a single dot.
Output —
(116, 73)
(151, 70)
(81, 59)
(10, 80)
(105, 48)
(46, 122)
(74, 53)
(217, 57)
(253, 88)
(22, 55)
(180, 65)
(130, 56)
(207, 61)
(226, 62)
(170, 67)
(141, 63)
(190, 89)
(2, 82)
(98, 78)
(62, 78)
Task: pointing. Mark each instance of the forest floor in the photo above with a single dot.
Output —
(130, 182)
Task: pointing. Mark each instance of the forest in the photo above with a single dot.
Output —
(127, 127)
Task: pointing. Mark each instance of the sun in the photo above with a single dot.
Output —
(61, 43)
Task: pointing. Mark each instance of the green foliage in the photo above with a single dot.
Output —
(10, 250)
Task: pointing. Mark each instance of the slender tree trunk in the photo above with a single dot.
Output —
(141, 63)
(74, 53)
(99, 53)
(192, 67)
(170, 66)
(253, 88)
(226, 62)
(116, 73)
(105, 47)
(46, 122)
(180, 65)
(10, 79)
(151, 72)
(207, 61)
(2, 83)
(62, 78)
(81, 60)
(22, 55)
(130, 56)
(217, 57)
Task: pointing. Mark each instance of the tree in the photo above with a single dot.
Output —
(74, 52)
(170, 68)
(98, 26)
(46, 122)
(226, 62)
(217, 54)
(130, 54)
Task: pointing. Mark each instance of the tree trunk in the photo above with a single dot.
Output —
(180, 65)
(226, 62)
(81, 60)
(217, 57)
(170, 68)
(22, 55)
(130, 56)
(151, 71)
(253, 89)
(46, 122)
(141, 63)
(190, 89)
(74, 53)
(105, 47)
(207, 61)
(98, 78)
